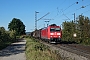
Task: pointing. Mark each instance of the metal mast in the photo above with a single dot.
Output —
(38, 19)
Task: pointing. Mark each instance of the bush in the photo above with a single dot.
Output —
(6, 37)
(37, 51)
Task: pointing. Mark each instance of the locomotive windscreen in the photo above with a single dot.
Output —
(54, 29)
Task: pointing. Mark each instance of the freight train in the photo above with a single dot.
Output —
(51, 34)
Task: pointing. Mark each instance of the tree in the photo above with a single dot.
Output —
(68, 30)
(2, 33)
(17, 25)
(84, 25)
(81, 27)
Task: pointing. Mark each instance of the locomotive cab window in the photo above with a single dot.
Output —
(54, 29)
(57, 29)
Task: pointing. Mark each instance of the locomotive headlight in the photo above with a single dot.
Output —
(58, 34)
(51, 33)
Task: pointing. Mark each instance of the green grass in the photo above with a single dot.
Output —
(38, 51)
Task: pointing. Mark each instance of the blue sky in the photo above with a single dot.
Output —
(60, 10)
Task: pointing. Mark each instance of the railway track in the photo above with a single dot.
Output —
(77, 49)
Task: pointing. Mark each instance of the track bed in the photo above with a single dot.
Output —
(83, 52)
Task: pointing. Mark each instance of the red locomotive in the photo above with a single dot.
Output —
(52, 33)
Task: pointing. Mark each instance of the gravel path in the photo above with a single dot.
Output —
(16, 51)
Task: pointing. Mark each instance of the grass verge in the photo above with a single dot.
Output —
(38, 51)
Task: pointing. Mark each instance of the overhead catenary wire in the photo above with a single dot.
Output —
(65, 15)
(83, 7)
(86, 11)
(64, 10)
(78, 9)
(60, 13)
(69, 7)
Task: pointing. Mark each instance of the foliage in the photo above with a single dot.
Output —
(6, 37)
(3, 34)
(17, 25)
(12, 34)
(68, 30)
(81, 27)
(38, 51)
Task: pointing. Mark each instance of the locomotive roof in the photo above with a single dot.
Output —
(49, 26)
